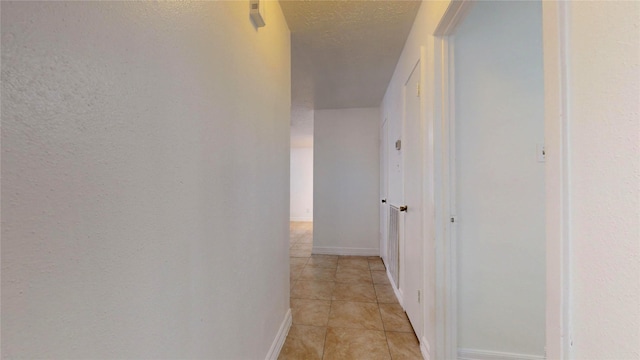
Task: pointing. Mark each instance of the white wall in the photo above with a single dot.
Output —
(346, 181)
(604, 69)
(421, 35)
(499, 120)
(604, 177)
(145, 180)
(301, 208)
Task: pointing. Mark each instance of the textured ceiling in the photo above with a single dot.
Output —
(344, 52)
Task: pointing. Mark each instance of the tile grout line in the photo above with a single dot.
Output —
(334, 281)
(386, 339)
(326, 329)
(326, 332)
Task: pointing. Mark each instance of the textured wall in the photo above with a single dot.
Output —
(345, 181)
(604, 131)
(145, 180)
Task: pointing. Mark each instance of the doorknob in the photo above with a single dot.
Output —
(384, 201)
(403, 208)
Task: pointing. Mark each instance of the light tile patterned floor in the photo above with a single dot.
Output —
(343, 307)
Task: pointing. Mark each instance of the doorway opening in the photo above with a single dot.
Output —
(301, 202)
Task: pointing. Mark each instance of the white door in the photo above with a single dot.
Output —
(499, 185)
(412, 159)
(384, 202)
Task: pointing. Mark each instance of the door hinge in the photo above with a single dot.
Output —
(418, 296)
(418, 89)
(453, 219)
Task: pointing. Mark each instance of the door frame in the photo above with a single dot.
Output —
(384, 188)
(555, 15)
(446, 240)
(557, 180)
(417, 65)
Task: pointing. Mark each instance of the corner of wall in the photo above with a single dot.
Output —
(281, 336)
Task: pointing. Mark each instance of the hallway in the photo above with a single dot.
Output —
(343, 307)
(146, 179)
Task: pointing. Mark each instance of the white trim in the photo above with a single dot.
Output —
(396, 291)
(418, 321)
(451, 196)
(428, 199)
(557, 190)
(384, 190)
(425, 350)
(444, 180)
(474, 354)
(331, 250)
(301, 218)
(281, 336)
(453, 16)
(443, 247)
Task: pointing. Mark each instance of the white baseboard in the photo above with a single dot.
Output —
(320, 250)
(474, 354)
(281, 336)
(425, 349)
(395, 291)
(301, 218)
